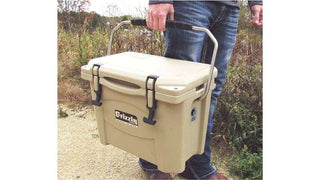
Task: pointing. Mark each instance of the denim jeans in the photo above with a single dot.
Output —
(196, 46)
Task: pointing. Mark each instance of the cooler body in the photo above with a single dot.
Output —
(179, 116)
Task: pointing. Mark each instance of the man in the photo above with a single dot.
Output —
(221, 18)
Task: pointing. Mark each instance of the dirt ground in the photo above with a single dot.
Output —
(81, 156)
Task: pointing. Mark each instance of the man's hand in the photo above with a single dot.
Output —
(157, 14)
(257, 20)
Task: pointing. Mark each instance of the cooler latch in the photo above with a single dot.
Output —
(151, 100)
(96, 85)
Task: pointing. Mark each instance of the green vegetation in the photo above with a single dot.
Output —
(246, 164)
(238, 117)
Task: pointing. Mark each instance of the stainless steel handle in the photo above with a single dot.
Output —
(213, 59)
(112, 32)
(196, 28)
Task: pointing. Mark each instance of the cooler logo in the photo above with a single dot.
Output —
(126, 118)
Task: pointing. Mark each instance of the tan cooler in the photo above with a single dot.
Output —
(153, 107)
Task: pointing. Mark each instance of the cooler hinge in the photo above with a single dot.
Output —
(151, 100)
(96, 85)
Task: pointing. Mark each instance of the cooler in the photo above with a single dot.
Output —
(153, 107)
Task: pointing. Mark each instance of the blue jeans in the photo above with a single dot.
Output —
(196, 46)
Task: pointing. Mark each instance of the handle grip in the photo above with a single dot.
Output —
(138, 22)
(178, 25)
(169, 24)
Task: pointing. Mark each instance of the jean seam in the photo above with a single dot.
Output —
(221, 14)
(192, 170)
(196, 175)
(206, 175)
(146, 169)
(204, 50)
(218, 18)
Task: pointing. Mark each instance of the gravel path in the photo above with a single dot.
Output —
(81, 156)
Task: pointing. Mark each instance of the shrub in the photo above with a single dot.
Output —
(247, 165)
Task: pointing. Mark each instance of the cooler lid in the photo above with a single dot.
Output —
(176, 77)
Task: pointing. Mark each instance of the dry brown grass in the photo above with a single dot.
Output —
(72, 95)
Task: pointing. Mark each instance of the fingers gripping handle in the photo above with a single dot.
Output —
(176, 25)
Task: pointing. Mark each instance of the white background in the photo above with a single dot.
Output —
(125, 6)
(28, 96)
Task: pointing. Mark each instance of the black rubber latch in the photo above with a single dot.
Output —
(98, 92)
(153, 107)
